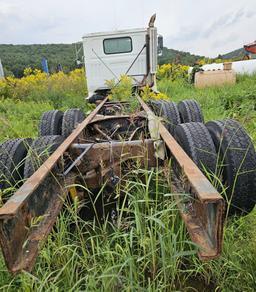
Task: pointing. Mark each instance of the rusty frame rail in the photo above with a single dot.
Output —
(19, 240)
(203, 211)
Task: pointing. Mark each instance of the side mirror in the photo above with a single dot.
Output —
(160, 44)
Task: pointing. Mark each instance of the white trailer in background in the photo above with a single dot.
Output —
(1, 70)
(240, 67)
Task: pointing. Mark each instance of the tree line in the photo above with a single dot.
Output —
(15, 58)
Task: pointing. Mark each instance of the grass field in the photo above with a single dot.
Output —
(148, 249)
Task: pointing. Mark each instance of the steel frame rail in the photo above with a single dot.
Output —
(203, 212)
(20, 241)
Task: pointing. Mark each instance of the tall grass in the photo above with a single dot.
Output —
(145, 249)
(235, 270)
(237, 101)
(145, 246)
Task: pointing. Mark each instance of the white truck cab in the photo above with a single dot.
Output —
(108, 55)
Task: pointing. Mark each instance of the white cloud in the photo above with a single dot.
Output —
(200, 26)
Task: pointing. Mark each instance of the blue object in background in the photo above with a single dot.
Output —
(45, 65)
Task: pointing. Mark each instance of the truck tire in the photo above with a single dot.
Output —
(39, 151)
(50, 123)
(190, 111)
(12, 160)
(238, 160)
(169, 111)
(155, 106)
(196, 141)
(71, 119)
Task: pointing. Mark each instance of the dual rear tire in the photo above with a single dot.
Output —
(56, 122)
(39, 151)
(185, 111)
(237, 164)
(71, 119)
(50, 123)
(190, 111)
(196, 141)
(223, 149)
(169, 112)
(12, 160)
(20, 158)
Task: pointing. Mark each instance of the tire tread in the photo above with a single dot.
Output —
(50, 123)
(39, 151)
(237, 151)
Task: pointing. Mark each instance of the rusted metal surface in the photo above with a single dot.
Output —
(19, 237)
(117, 128)
(203, 211)
(102, 155)
(102, 161)
(99, 118)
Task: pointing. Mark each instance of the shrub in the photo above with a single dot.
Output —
(122, 90)
(172, 71)
(38, 86)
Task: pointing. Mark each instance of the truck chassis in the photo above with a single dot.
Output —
(91, 153)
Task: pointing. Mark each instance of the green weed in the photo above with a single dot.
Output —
(147, 247)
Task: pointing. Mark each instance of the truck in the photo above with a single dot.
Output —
(74, 150)
(108, 55)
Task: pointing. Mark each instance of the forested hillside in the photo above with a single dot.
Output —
(238, 54)
(16, 58)
(178, 57)
(234, 54)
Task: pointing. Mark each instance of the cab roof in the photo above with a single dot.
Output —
(114, 32)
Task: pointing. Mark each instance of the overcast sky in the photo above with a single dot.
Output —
(203, 27)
